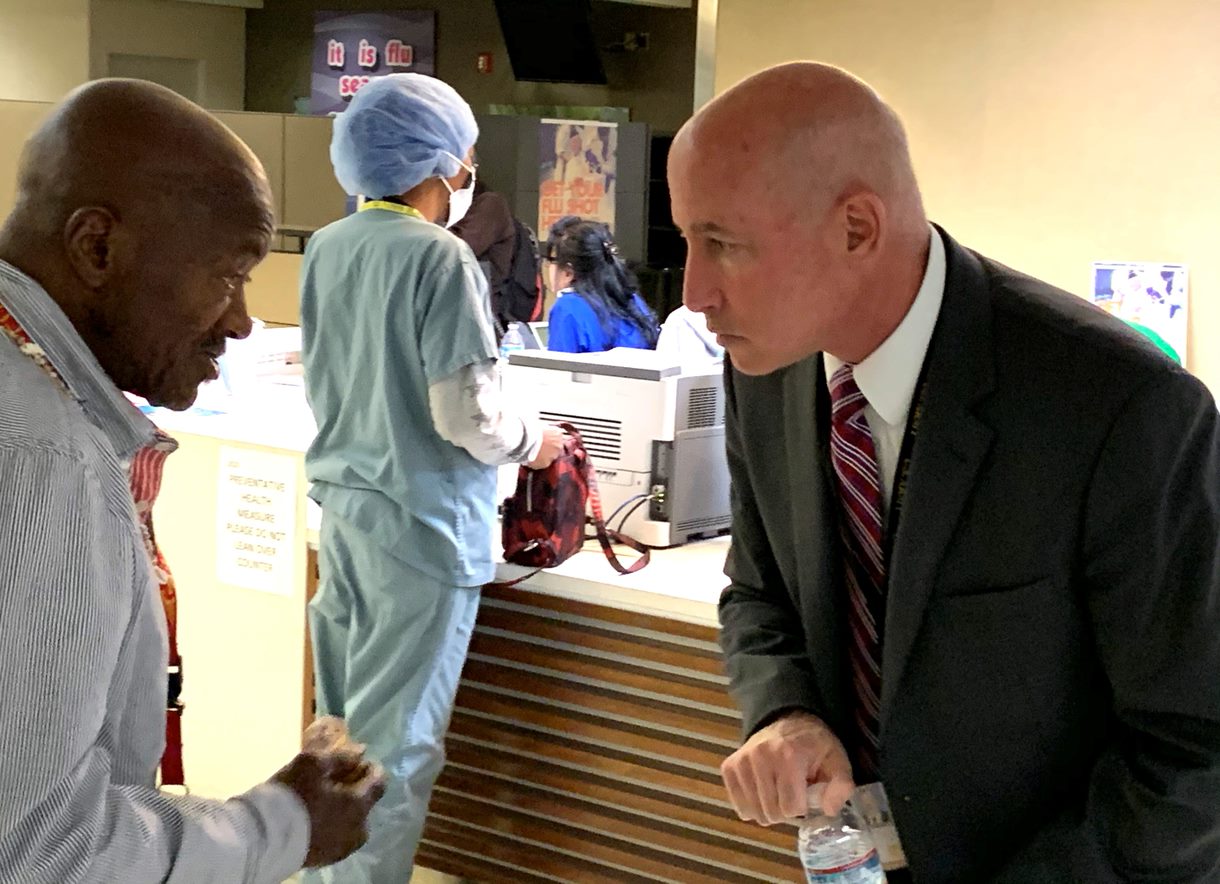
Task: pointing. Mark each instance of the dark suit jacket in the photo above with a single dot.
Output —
(1050, 708)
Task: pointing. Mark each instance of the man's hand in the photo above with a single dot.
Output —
(767, 777)
(552, 447)
(338, 788)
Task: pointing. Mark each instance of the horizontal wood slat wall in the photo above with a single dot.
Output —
(585, 747)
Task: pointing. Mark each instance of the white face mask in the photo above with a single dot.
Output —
(459, 200)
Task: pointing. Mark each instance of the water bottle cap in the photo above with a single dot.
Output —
(813, 797)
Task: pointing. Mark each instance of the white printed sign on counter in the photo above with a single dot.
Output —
(256, 520)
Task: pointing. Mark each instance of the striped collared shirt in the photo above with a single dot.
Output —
(83, 651)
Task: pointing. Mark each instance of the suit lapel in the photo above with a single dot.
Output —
(948, 452)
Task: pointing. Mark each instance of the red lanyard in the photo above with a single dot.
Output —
(145, 482)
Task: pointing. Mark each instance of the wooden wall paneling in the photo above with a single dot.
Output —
(585, 747)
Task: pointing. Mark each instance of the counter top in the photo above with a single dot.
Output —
(269, 415)
(683, 583)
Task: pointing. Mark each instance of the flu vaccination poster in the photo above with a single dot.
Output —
(579, 161)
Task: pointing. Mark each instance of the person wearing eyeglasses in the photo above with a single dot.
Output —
(597, 307)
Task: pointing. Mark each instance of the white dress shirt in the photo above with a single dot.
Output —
(888, 376)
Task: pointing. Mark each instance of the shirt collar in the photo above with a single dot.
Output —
(887, 377)
(47, 325)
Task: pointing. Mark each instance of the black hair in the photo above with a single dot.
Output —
(599, 274)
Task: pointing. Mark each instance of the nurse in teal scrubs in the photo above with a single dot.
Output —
(400, 371)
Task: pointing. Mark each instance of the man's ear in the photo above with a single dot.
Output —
(864, 219)
(89, 241)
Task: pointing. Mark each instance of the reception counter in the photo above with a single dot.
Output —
(592, 714)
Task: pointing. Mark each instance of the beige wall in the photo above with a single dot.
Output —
(214, 35)
(44, 48)
(657, 84)
(1046, 134)
(18, 120)
(272, 294)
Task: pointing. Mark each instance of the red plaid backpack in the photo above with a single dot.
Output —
(544, 521)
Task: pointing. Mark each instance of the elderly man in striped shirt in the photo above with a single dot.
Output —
(138, 218)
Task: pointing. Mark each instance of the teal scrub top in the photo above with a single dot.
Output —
(390, 304)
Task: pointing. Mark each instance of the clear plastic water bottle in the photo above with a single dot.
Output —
(512, 340)
(838, 849)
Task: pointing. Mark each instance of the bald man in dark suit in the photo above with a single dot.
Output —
(976, 520)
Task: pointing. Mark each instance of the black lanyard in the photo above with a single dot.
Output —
(903, 470)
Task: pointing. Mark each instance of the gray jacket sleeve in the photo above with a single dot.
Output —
(760, 628)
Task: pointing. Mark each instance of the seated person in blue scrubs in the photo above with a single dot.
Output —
(597, 308)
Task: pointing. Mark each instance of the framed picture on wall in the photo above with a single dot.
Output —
(1150, 297)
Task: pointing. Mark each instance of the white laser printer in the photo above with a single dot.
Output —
(655, 433)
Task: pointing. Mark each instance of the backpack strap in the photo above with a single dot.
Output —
(509, 584)
(606, 537)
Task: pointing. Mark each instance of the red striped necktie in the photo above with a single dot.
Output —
(854, 459)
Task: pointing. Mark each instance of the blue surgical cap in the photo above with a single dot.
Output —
(398, 131)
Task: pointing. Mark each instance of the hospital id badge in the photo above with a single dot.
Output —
(873, 806)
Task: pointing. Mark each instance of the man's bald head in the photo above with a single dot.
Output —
(814, 130)
(122, 143)
(805, 226)
(141, 215)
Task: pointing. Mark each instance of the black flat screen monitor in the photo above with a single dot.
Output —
(550, 41)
